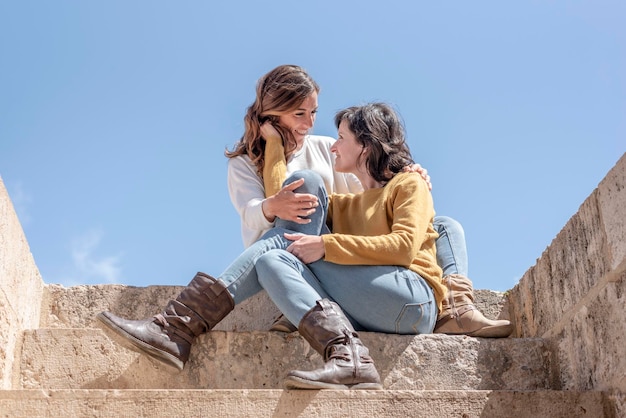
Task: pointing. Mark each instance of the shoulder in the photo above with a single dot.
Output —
(238, 161)
(408, 181)
(405, 178)
(241, 163)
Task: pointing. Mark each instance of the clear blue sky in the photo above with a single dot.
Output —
(114, 117)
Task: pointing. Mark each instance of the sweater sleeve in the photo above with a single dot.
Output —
(275, 167)
(394, 237)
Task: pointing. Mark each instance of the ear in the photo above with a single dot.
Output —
(271, 118)
(365, 152)
(363, 157)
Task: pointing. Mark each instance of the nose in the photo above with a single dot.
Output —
(333, 148)
(310, 121)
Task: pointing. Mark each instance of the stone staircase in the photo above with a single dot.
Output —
(69, 360)
(566, 357)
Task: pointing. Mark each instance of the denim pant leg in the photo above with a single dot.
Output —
(313, 184)
(241, 277)
(289, 283)
(389, 299)
(451, 247)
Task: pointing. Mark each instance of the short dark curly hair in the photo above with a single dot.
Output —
(378, 128)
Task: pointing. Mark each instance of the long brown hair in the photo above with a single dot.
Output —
(278, 92)
(379, 129)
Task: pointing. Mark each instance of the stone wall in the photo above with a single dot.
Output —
(21, 288)
(575, 295)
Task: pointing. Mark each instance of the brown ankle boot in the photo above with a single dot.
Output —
(348, 364)
(168, 336)
(460, 316)
(282, 324)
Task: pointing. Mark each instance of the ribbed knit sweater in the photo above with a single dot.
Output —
(391, 225)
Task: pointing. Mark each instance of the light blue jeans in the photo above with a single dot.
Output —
(387, 299)
(451, 247)
(241, 276)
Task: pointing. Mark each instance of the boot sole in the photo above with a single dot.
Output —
(144, 348)
(293, 382)
(499, 331)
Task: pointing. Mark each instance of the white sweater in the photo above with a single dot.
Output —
(247, 192)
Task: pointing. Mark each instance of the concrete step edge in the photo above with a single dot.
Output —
(89, 358)
(77, 306)
(326, 403)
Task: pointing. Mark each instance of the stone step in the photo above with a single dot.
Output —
(282, 403)
(87, 358)
(77, 306)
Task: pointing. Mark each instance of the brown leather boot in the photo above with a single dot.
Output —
(168, 336)
(282, 324)
(460, 316)
(348, 364)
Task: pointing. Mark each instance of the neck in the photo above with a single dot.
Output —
(368, 182)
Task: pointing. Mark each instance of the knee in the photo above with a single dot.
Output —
(445, 223)
(266, 267)
(312, 180)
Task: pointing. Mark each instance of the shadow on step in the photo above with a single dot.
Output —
(87, 358)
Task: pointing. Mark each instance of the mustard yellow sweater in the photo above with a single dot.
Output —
(391, 225)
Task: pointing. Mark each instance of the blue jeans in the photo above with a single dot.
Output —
(388, 299)
(241, 276)
(451, 248)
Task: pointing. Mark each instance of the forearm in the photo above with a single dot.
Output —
(275, 166)
(269, 208)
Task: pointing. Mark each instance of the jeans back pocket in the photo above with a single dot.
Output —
(416, 318)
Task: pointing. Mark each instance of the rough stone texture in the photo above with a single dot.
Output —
(565, 273)
(20, 287)
(492, 304)
(593, 353)
(77, 306)
(574, 295)
(304, 404)
(87, 359)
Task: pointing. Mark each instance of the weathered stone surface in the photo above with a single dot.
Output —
(572, 265)
(589, 252)
(87, 358)
(77, 306)
(492, 304)
(574, 295)
(304, 404)
(612, 198)
(593, 353)
(21, 287)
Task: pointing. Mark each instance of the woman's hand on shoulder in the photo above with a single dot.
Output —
(417, 168)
